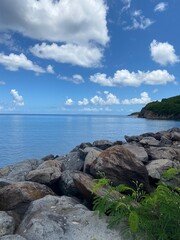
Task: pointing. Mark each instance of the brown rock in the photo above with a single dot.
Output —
(121, 167)
(18, 193)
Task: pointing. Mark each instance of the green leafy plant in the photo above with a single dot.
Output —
(152, 216)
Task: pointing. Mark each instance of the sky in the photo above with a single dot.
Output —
(87, 56)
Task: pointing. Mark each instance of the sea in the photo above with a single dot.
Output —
(25, 137)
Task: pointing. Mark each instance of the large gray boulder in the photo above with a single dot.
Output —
(18, 171)
(151, 141)
(121, 167)
(72, 161)
(138, 151)
(92, 154)
(12, 237)
(157, 167)
(47, 173)
(21, 193)
(7, 224)
(63, 218)
(162, 153)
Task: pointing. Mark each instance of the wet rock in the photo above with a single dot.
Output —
(121, 167)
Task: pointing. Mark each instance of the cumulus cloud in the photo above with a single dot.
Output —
(14, 62)
(110, 99)
(76, 78)
(85, 56)
(161, 7)
(50, 69)
(135, 79)
(84, 102)
(69, 102)
(74, 21)
(17, 99)
(163, 53)
(144, 99)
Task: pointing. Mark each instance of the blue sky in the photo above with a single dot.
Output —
(87, 57)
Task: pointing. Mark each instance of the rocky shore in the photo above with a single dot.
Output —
(52, 198)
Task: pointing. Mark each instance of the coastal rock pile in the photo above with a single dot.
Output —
(52, 198)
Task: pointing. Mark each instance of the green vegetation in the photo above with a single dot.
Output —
(167, 108)
(144, 216)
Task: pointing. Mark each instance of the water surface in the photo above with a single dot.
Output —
(34, 136)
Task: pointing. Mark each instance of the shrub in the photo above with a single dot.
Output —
(152, 216)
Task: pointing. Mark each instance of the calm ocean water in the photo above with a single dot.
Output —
(34, 136)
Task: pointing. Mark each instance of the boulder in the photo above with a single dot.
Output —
(157, 167)
(4, 182)
(102, 144)
(7, 224)
(139, 152)
(47, 173)
(66, 184)
(130, 139)
(151, 141)
(21, 193)
(49, 157)
(18, 171)
(92, 154)
(121, 167)
(63, 218)
(161, 153)
(175, 136)
(12, 237)
(164, 141)
(72, 161)
(85, 185)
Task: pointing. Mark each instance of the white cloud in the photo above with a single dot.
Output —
(1, 108)
(144, 99)
(17, 99)
(74, 21)
(2, 83)
(84, 102)
(76, 78)
(50, 69)
(110, 99)
(127, 5)
(14, 62)
(139, 22)
(163, 53)
(135, 79)
(69, 102)
(161, 7)
(85, 56)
